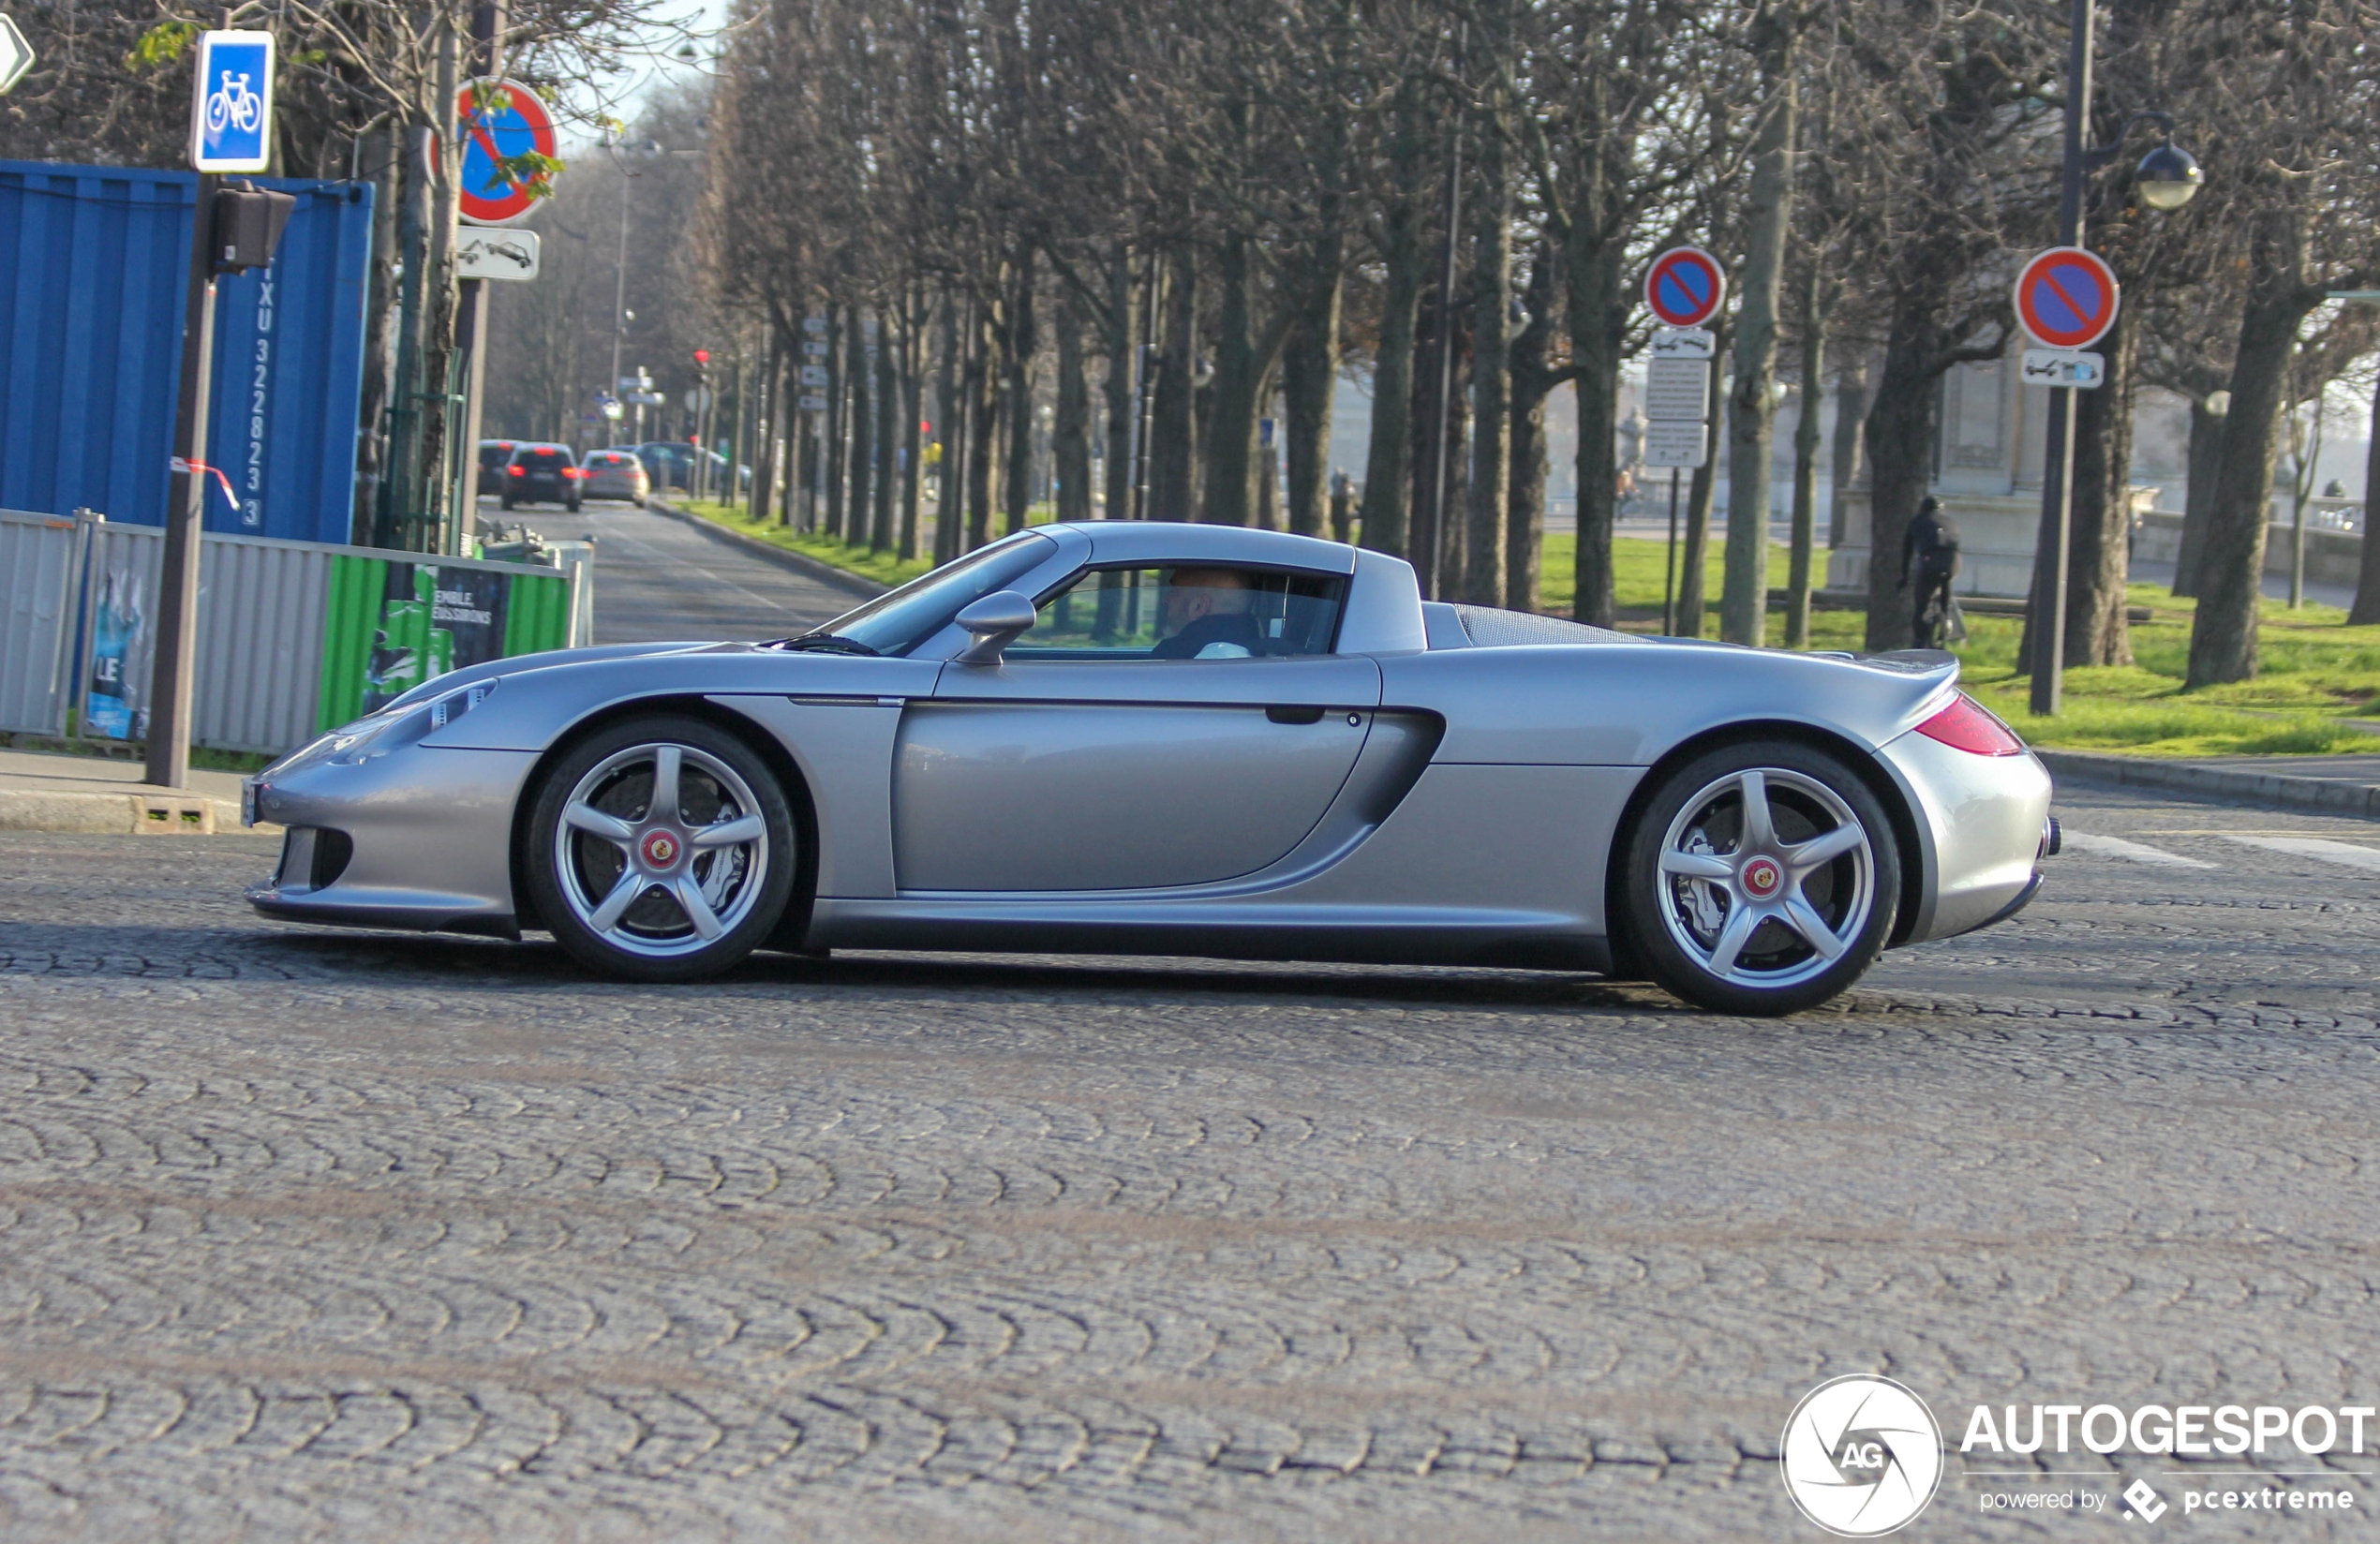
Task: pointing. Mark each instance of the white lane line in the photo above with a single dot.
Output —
(2346, 852)
(681, 565)
(2131, 851)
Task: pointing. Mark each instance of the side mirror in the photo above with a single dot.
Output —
(995, 620)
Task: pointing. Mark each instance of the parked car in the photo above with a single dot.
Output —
(1133, 737)
(494, 455)
(542, 474)
(613, 474)
(671, 464)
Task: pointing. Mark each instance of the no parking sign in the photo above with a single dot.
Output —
(501, 121)
(1684, 287)
(2066, 297)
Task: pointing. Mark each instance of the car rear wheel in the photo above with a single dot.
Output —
(1761, 877)
(660, 848)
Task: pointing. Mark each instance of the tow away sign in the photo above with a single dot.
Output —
(2069, 368)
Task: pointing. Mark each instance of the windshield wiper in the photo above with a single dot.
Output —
(823, 642)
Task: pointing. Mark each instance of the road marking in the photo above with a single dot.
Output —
(2131, 851)
(2346, 852)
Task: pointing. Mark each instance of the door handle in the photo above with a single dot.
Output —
(1293, 715)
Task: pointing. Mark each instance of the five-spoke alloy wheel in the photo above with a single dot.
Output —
(1762, 878)
(660, 850)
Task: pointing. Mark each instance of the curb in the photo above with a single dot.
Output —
(123, 814)
(2329, 796)
(801, 563)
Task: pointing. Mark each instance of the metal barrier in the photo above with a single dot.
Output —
(40, 575)
(293, 636)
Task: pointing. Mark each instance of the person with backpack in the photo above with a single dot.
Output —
(1929, 556)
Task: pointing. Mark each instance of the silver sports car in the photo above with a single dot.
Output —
(1142, 739)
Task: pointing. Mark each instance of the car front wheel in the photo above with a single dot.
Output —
(660, 848)
(1761, 879)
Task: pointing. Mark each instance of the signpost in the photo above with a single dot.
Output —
(16, 55)
(2066, 300)
(1684, 287)
(500, 119)
(231, 130)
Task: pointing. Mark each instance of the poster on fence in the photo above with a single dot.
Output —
(116, 707)
(392, 625)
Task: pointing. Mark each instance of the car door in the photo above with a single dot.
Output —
(1086, 760)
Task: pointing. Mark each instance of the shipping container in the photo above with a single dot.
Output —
(94, 261)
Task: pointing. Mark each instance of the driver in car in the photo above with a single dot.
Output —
(1204, 615)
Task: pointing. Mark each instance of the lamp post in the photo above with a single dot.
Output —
(622, 315)
(2167, 178)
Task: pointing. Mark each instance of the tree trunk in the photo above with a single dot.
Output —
(377, 164)
(1173, 438)
(1070, 445)
(1597, 317)
(1900, 459)
(767, 500)
(1309, 378)
(1752, 408)
(1123, 328)
(881, 468)
(2099, 547)
(836, 421)
(1239, 372)
(2223, 635)
(1798, 578)
(1021, 343)
(2367, 607)
(1851, 419)
(1532, 383)
(860, 464)
(1693, 548)
(1486, 516)
(983, 428)
(950, 408)
(1388, 468)
(2198, 494)
(912, 410)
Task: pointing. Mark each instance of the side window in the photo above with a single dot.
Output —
(1186, 612)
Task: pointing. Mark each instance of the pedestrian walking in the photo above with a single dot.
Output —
(1930, 561)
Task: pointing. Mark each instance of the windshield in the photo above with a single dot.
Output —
(899, 622)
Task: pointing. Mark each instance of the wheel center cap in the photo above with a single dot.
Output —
(1761, 877)
(659, 849)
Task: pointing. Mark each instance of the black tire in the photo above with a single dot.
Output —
(507, 499)
(571, 506)
(1679, 925)
(653, 934)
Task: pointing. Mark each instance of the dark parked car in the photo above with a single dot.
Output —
(494, 455)
(671, 464)
(542, 474)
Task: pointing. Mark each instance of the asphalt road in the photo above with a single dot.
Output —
(305, 1234)
(659, 579)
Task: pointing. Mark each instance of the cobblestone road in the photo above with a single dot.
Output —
(311, 1234)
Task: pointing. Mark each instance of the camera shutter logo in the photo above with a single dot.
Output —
(1862, 1456)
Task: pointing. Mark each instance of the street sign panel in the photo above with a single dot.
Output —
(16, 55)
(1685, 286)
(2066, 297)
(1684, 343)
(500, 119)
(231, 102)
(2064, 367)
(1674, 444)
(508, 256)
(1678, 391)
(814, 405)
(813, 375)
(815, 349)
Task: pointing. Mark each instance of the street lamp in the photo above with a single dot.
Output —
(621, 315)
(2168, 178)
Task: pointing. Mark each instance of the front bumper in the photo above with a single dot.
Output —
(427, 834)
(1980, 821)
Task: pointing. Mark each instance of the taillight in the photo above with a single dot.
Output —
(1966, 724)
(516, 471)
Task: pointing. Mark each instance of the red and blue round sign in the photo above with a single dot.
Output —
(500, 119)
(2066, 297)
(1685, 286)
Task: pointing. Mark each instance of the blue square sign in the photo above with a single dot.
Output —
(231, 102)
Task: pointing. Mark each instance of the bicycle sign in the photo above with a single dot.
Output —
(231, 102)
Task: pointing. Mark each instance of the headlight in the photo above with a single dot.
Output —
(395, 727)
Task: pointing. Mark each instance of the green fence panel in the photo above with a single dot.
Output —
(350, 619)
(538, 616)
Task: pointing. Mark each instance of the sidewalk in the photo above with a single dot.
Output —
(2347, 785)
(44, 792)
